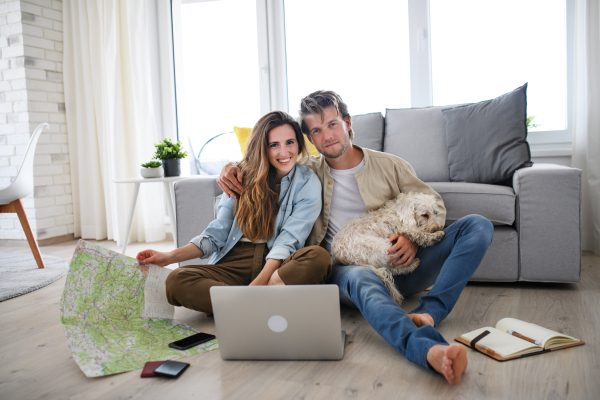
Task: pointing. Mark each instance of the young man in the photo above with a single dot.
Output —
(356, 181)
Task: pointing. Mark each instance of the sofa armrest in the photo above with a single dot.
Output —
(194, 209)
(548, 219)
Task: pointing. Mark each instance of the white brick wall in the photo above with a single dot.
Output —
(31, 92)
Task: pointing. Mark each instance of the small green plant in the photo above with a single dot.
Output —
(167, 150)
(152, 164)
(531, 125)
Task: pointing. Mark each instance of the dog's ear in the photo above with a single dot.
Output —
(406, 213)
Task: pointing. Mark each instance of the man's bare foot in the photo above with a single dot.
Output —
(421, 319)
(450, 361)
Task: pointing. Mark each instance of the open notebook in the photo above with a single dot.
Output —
(513, 338)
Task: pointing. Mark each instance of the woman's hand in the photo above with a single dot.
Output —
(187, 252)
(266, 275)
(260, 281)
(153, 257)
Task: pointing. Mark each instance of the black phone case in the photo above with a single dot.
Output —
(171, 369)
(174, 345)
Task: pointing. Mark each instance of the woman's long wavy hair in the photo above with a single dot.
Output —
(256, 208)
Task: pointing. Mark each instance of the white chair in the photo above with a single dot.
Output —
(194, 163)
(21, 187)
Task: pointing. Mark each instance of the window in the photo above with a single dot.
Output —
(252, 56)
(216, 62)
(482, 49)
(359, 49)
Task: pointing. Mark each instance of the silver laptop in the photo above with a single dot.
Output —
(278, 322)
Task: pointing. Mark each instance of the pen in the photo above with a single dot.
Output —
(524, 337)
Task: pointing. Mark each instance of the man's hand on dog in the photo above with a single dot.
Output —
(230, 180)
(402, 252)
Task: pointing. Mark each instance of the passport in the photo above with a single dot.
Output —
(149, 368)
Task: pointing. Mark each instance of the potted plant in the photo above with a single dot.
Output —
(170, 154)
(152, 169)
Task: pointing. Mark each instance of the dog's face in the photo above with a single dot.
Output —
(418, 209)
(426, 214)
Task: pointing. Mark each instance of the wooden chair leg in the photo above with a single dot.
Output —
(20, 210)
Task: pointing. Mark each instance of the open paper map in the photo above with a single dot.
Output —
(115, 313)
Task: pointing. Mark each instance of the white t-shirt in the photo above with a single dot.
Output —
(346, 201)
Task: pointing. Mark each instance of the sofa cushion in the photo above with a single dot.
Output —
(496, 203)
(368, 130)
(418, 136)
(487, 141)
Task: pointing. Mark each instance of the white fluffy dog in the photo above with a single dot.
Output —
(364, 240)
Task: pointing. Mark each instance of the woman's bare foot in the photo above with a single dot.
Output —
(421, 319)
(450, 361)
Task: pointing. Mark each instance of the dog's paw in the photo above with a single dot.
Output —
(433, 238)
(438, 236)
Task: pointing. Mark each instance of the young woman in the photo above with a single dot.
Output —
(257, 239)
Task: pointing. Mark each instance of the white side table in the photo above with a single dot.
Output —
(168, 185)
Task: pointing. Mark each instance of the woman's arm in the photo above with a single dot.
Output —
(187, 252)
(211, 240)
(215, 235)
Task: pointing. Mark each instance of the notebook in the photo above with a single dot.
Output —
(513, 338)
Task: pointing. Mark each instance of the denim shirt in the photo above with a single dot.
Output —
(299, 206)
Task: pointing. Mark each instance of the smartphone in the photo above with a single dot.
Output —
(192, 341)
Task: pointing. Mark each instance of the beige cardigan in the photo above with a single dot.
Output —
(383, 178)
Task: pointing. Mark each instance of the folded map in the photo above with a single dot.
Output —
(115, 314)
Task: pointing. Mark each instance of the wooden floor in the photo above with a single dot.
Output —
(35, 361)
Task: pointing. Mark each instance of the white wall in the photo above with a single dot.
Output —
(31, 92)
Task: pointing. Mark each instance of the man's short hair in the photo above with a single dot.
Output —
(316, 102)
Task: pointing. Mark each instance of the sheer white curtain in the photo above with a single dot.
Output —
(586, 140)
(110, 118)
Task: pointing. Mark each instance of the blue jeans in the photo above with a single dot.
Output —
(447, 266)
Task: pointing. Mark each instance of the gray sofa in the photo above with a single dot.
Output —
(537, 221)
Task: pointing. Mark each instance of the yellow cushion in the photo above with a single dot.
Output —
(244, 133)
(312, 150)
(242, 136)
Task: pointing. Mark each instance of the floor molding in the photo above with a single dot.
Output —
(55, 240)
